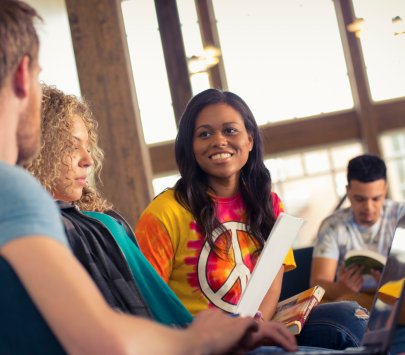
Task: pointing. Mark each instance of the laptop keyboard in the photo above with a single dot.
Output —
(359, 350)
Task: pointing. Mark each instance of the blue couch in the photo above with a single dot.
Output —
(297, 280)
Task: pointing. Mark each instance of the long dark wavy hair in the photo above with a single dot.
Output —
(255, 180)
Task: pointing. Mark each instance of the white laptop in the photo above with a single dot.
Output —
(280, 240)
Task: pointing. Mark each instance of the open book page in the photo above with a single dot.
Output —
(280, 240)
(294, 311)
(368, 259)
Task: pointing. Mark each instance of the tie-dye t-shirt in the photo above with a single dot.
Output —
(201, 277)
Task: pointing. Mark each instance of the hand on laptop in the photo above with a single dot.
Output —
(223, 334)
(235, 335)
(273, 333)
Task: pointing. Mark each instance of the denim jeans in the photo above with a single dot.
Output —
(398, 343)
(335, 325)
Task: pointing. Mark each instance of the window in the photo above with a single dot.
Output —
(56, 55)
(162, 183)
(149, 70)
(312, 183)
(283, 57)
(384, 52)
(393, 144)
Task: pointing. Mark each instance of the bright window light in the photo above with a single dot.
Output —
(149, 70)
(56, 55)
(162, 183)
(311, 183)
(393, 146)
(284, 58)
(383, 51)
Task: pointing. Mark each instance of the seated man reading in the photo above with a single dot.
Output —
(368, 224)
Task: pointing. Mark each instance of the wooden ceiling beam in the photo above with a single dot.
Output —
(210, 37)
(391, 115)
(280, 137)
(363, 105)
(304, 133)
(175, 55)
(310, 132)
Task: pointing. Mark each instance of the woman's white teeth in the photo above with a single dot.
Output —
(221, 156)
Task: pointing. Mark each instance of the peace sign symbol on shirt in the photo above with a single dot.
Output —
(235, 274)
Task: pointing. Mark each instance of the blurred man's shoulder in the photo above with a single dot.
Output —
(340, 215)
(337, 219)
(394, 208)
(15, 181)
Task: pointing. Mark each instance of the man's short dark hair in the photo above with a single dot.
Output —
(18, 36)
(366, 168)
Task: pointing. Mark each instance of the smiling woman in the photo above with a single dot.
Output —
(223, 201)
(221, 147)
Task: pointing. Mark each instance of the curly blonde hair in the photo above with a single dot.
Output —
(58, 111)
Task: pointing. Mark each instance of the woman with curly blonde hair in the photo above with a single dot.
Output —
(100, 238)
(58, 113)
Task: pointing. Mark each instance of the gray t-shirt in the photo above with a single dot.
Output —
(340, 233)
(26, 208)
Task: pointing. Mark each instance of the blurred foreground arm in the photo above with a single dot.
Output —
(84, 323)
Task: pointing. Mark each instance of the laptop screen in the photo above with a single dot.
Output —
(389, 298)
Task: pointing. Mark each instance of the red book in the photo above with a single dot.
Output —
(294, 311)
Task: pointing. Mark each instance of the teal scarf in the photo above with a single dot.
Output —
(162, 301)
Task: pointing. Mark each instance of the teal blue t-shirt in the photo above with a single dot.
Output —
(162, 301)
(26, 208)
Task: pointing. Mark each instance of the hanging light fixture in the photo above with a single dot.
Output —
(399, 26)
(202, 62)
(356, 26)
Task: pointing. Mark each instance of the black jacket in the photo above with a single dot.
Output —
(99, 253)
